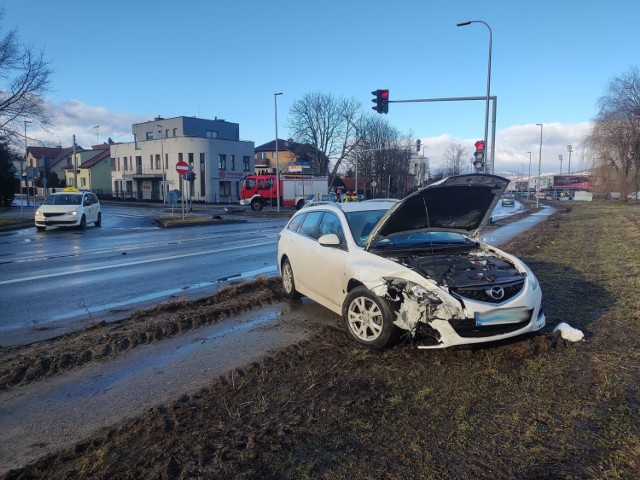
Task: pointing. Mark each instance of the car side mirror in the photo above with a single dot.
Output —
(329, 240)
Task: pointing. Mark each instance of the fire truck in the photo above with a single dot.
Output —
(260, 190)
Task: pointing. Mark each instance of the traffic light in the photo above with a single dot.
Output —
(381, 100)
(479, 156)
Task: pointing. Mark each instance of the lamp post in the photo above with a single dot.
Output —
(97, 127)
(560, 158)
(539, 166)
(529, 181)
(275, 103)
(163, 186)
(486, 109)
(569, 149)
(26, 154)
(357, 139)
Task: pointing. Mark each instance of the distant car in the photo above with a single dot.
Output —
(508, 202)
(69, 208)
(412, 268)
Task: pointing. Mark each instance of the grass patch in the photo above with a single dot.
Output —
(330, 409)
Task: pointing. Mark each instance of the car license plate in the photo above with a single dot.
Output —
(502, 316)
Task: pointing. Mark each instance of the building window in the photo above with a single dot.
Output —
(158, 167)
(175, 132)
(203, 190)
(166, 161)
(149, 135)
(222, 162)
(211, 134)
(166, 133)
(83, 182)
(225, 189)
(113, 164)
(233, 162)
(246, 164)
(126, 164)
(151, 161)
(180, 157)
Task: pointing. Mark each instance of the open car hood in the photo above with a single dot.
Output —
(462, 204)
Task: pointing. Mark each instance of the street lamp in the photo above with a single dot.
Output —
(486, 109)
(357, 139)
(569, 149)
(275, 103)
(26, 154)
(163, 186)
(539, 166)
(529, 181)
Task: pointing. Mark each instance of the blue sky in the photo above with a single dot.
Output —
(120, 62)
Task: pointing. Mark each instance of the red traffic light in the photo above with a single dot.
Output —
(384, 93)
(479, 145)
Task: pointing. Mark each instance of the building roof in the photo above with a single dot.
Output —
(103, 153)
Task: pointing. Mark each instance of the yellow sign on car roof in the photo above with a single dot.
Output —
(70, 189)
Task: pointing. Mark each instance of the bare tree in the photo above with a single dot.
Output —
(320, 120)
(24, 78)
(614, 142)
(455, 163)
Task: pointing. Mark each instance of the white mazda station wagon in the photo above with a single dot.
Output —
(412, 268)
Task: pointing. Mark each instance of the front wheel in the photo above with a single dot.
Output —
(288, 282)
(98, 222)
(83, 222)
(368, 318)
(257, 205)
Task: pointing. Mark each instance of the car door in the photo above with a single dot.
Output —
(328, 262)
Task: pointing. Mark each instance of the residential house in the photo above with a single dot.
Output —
(47, 161)
(293, 157)
(91, 170)
(217, 160)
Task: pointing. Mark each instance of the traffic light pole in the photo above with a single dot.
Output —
(494, 100)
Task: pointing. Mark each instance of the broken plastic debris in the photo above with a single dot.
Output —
(569, 333)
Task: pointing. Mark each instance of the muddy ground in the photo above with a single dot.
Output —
(537, 407)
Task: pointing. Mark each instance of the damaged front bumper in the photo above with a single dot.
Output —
(436, 319)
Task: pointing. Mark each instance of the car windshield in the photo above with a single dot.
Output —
(63, 200)
(419, 239)
(362, 222)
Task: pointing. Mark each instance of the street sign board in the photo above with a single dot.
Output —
(182, 167)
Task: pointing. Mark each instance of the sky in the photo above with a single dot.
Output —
(122, 62)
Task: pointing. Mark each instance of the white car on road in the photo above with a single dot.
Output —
(69, 208)
(413, 267)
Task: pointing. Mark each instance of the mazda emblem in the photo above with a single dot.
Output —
(497, 293)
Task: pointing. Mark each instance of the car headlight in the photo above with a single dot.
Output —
(39, 214)
(74, 213)
(532, 278)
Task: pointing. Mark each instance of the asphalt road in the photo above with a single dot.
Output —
(64, 279)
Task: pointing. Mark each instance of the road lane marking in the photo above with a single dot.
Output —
(129, 264)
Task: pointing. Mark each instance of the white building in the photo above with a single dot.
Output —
(212, 149)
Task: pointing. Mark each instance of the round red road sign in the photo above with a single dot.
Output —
(182, 167)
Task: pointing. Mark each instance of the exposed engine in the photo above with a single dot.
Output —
(463, 269)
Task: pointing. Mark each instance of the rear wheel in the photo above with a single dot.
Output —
(288, 282)
(98, 222)
(257, 205)
(83, 222)
(300, 204)
(368, 318)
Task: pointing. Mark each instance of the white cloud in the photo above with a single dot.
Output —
(74, 117)
(513, 143)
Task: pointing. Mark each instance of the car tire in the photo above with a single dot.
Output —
(41, 229)
(288, 282)
(83, 222)
(98, 222)
(257, 205)
(300, 204)
(368, 318)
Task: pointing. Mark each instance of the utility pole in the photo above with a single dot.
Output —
(569, 149)
(74, 163)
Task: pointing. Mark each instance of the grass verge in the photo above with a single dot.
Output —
(328, 408)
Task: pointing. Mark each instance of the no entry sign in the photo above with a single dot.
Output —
(182, 167)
